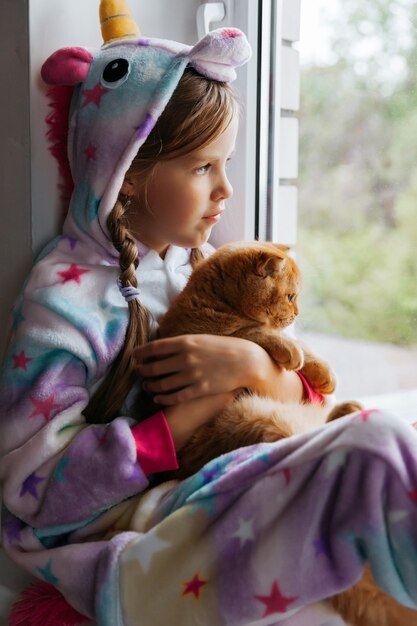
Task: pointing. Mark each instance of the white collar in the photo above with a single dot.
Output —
(175, 256)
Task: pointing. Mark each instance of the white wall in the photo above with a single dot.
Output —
(15, 201)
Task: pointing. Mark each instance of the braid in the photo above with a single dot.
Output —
(110, 395)
(197, 255)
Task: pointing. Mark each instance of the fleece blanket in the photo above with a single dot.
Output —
(265, 530)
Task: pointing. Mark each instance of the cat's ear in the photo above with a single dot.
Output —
(282, 246)
(270, 265)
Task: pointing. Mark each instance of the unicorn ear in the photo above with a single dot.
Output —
(219, 52)
(67, 66)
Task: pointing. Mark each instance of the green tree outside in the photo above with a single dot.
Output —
(358, 177)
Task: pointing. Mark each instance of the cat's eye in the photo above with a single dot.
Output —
(291, 297)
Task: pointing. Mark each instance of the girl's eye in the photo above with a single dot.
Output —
(291, 297)
(203, 169)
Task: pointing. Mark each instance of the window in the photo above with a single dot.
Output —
(357, 224)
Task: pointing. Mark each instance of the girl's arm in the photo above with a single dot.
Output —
(55, 469)
(184, 419)
(269, 379)
(184, 368)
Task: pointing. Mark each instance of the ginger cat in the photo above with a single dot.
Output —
(250, 290)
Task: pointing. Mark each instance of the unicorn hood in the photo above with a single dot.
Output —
(120, 92)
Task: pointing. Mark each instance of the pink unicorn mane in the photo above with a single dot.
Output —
(57, 122)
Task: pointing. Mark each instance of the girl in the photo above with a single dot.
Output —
(152, 126)
(81, 315)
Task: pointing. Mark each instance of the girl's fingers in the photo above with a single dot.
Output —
(170, 365)
(167, 384)
(190, 392)
(178, 397)
(158, 348)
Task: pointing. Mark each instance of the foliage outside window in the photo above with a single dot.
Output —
(358, 176)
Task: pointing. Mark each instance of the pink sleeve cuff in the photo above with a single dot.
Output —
(310, 396)
(154, 445)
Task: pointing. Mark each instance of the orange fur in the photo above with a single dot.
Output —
(243, 290)
(248, 290)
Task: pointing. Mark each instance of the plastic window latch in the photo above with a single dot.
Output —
(207, 13)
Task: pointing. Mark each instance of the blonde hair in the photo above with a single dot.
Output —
(198, 112)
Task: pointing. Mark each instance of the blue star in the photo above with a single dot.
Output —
(112, 329)
(13, 527)
(206, 502)
(18, 317)
(264, 457)
(47, 573)
(321, 546)
(30, 485)
(60, 469)
(92, 209)
(355, 541)
(72, 241)
(349, 536)
(212, 472)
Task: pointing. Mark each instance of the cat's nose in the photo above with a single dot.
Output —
(296, 309)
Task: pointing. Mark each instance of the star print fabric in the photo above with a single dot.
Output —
(266, 530)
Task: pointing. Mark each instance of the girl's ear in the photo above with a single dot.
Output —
(219, 52)
(127, 188)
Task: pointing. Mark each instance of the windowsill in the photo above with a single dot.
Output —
(401, 403)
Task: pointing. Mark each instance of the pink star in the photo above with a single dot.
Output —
(72, 273)
(194, 586)
(90, 152)
(94, 95)
(275, 602)
(102, 439)
(363, 415)
(21, 360)
(286, 472)
(230, 32)
(44, 407)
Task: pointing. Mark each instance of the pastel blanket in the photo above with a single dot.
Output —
(263, 531)
(253, 537)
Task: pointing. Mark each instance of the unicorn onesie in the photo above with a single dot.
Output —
(220, 548)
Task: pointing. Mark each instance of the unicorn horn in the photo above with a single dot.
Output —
(117, 21)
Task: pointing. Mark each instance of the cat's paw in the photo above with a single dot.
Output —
(320, 377)
(291, 357)
(344, 408)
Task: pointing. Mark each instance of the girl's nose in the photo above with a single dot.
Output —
(223, 190)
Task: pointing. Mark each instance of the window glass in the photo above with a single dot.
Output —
(357, 226)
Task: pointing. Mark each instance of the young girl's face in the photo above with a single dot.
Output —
(186, 196)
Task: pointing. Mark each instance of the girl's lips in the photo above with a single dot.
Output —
(213, 218)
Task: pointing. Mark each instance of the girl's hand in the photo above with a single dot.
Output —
(179, 369)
